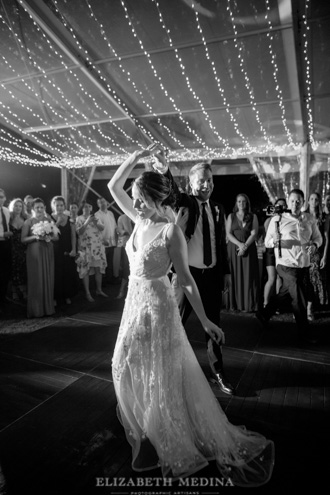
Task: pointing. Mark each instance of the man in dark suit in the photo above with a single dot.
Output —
(209, 267)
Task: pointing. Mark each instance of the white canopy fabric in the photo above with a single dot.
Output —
(83, 83)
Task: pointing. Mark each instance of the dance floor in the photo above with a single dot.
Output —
(59, 433)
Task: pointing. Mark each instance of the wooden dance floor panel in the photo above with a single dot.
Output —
(59, 430)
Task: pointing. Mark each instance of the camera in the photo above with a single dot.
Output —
(272, 210)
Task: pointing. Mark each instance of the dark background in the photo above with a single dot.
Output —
(18, 180)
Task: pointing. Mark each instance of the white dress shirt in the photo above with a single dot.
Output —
(195, 244)
(296, 235)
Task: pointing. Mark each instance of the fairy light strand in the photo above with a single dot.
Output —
(308, 80)
(247, 82)
(218, 81)
(275, 72)
(187, 79)
(158, 77)
(99, 73)
(130, 80)
(81, 141)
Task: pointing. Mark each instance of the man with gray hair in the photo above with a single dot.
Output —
(203, 224)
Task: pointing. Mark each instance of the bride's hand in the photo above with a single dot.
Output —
(215, 332)
(152, 149)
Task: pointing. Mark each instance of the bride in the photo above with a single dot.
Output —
(171, 417)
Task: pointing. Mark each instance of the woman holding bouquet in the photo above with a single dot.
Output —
(38, 233)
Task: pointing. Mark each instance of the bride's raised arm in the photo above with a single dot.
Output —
(117, 183)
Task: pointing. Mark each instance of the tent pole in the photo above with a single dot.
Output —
(64, 184)
(305, 158)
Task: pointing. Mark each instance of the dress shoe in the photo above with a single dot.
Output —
(262, 320)
(223, 383)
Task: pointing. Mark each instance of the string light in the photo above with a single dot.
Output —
(158, 77)
(218, 82)
(275, 72)
(100, 75)
(187, 79)
(129, 79)
(75, 145)
(308, 76)
(247, 83)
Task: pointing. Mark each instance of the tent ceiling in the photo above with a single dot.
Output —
(89, 81)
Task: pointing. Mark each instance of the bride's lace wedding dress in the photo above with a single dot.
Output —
(170, 414)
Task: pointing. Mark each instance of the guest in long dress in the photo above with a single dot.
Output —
(40, 264)
(18, 250)
(242, 229)
(64, 253)
(91, 259)
(315, 286)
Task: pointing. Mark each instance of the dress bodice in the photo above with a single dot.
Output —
(241, 232)
(152, 260)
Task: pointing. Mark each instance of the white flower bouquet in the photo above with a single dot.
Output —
(45, 230)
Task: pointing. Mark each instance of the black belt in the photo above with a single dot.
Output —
(202, 270)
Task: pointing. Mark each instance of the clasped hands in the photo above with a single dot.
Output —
(156, 150)
(241, 249)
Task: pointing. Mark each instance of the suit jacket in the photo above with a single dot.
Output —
(7, 215)
(189, 212)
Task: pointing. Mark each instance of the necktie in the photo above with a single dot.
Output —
(4, 221)
(206, 237)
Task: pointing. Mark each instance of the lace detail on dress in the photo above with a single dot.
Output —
(170, 414)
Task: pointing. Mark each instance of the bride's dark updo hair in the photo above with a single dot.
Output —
(155, 187)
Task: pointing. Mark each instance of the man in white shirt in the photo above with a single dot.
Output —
(109, 236)
(5, 249)
(295, 236)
